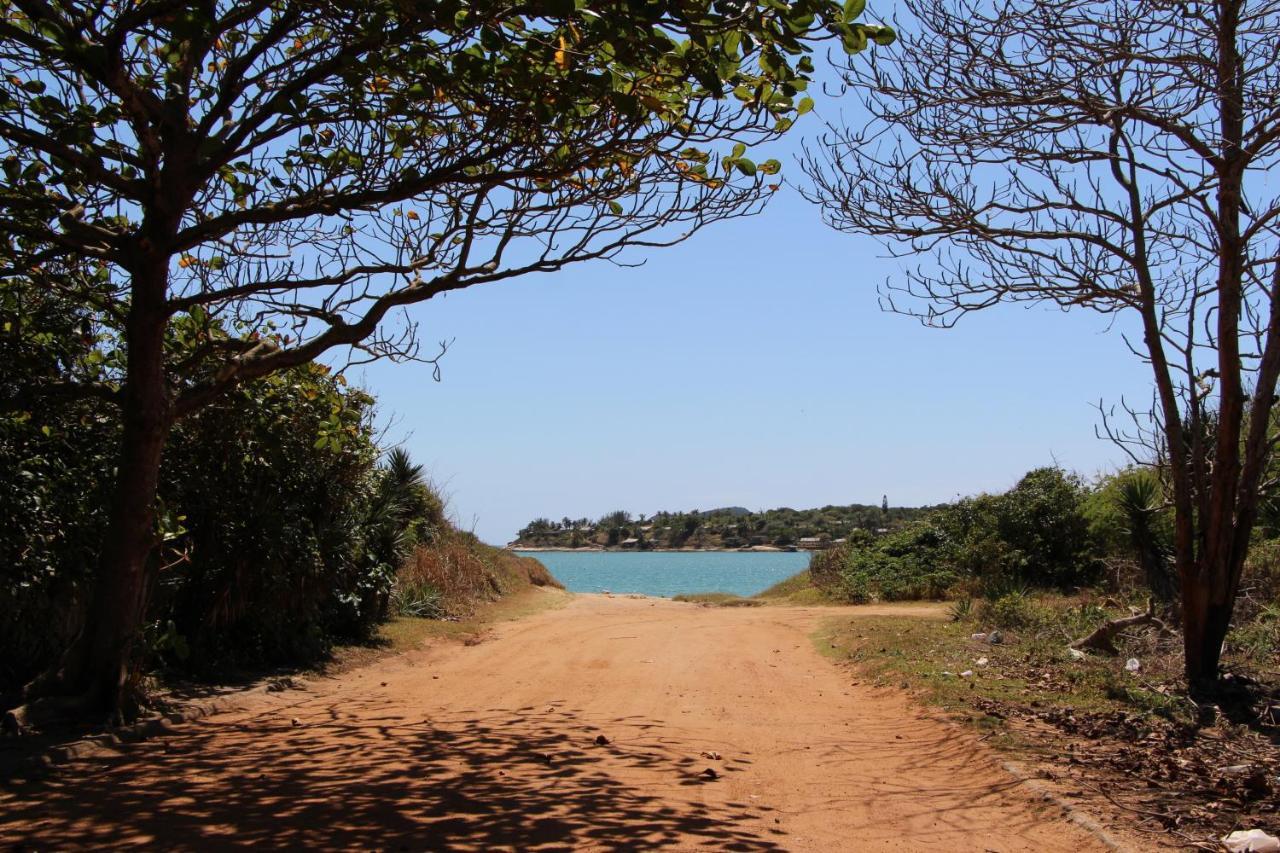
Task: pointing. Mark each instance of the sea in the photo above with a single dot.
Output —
(668, 573)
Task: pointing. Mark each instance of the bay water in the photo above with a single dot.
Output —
(668, 573)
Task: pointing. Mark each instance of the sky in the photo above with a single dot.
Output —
(748, 366)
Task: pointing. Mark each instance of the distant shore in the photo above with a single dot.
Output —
(773, 549)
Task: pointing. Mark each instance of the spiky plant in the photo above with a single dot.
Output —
(1141, 501)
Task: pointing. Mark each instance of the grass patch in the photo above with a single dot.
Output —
(406, 633)
(798, 589)
(717, 599)
(928, 656)
(1090, 724)
(1032, 665)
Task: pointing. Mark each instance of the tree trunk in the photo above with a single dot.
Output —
(1199, 658)
(122, 585)
(93, 673)
(1205, 623)
(1202, 644)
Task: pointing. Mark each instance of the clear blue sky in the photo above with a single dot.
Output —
(748, 366)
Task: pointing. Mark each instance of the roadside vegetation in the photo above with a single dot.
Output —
(1039, 534)
(1062, 643)
(284, 528)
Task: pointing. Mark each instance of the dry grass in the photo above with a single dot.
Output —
(717, 599)
(796, 590)
(456, 573)
(1089, 725)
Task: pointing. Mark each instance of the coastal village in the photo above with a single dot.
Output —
(726, 529)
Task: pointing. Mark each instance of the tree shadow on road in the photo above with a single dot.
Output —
(353, 775)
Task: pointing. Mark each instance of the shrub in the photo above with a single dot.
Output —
(462, 572)
(280, 533)
(961, 610)
(905, 564)
(290, 533)
(827, 567)
(54, 473)
(1035, 534)
(415, 596)
(1014, 611)
(1042, 519)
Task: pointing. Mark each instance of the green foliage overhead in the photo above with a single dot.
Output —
(375, 152)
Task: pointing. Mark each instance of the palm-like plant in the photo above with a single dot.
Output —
(401, 472)
(1141, 501)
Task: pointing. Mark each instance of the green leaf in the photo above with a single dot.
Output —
(805, 105)
(884, 36)
(745, 166)
(853, 9)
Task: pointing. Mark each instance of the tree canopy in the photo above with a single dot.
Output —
(312, 168)
(222, 191)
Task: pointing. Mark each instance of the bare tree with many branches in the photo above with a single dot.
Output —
(1115, 155)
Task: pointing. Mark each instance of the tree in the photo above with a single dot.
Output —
(1111, 155)
(290, 176)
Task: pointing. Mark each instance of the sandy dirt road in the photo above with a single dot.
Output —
(492, 746)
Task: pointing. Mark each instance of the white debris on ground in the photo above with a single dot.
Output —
(1251, 841)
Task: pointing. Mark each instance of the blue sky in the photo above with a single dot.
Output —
(747, 366)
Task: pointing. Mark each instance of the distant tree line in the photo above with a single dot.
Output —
(726, 527)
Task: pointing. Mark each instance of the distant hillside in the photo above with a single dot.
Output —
(727, 527)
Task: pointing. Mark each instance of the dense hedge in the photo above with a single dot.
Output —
(279, 532)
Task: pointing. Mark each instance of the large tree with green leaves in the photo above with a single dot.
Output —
(285, 178)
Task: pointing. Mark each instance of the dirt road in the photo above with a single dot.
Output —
(493, 746)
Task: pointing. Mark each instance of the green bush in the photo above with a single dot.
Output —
(281, 534)
(1035, 534)
(905, 564)
(290, 535)
(54, 467)
(1014, 611)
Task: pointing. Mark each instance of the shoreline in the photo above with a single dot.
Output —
(756, 549)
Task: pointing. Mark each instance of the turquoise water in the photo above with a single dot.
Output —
(668, 573)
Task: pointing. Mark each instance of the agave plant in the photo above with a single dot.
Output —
(961, 610)
(1141, 501)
